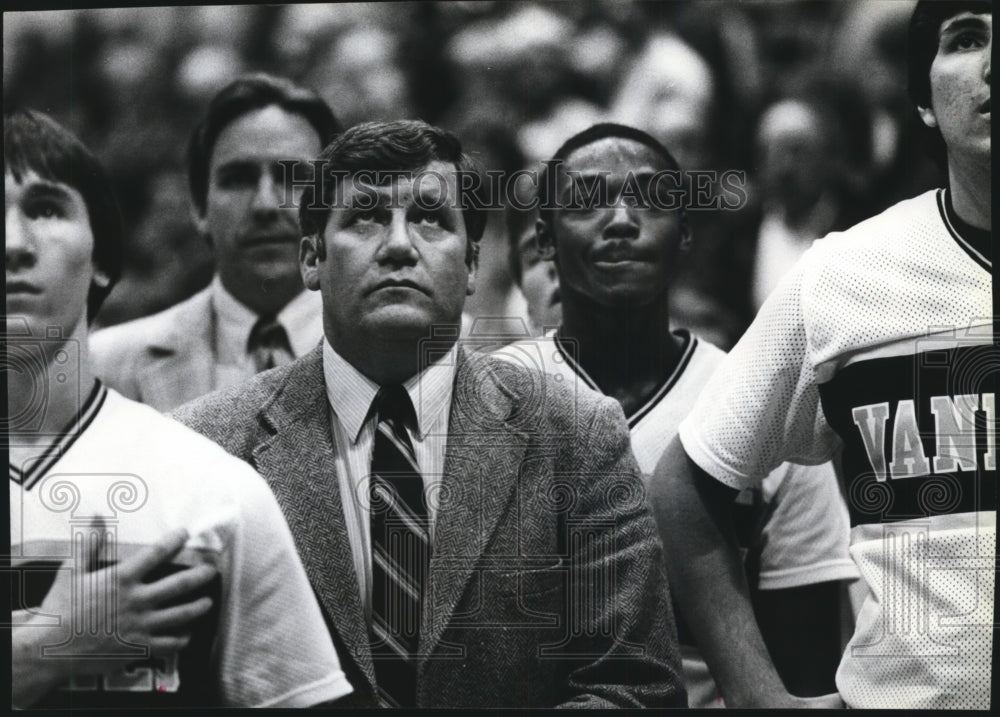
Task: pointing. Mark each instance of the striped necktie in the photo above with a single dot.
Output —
(268, 344)
(400, 549)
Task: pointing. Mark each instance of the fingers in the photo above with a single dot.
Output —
(168, 644)
(98, 547)
(137, 566)
(178, 616)
(176, 585)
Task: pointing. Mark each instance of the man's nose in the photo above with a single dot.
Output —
(398, 246)
(19, 249)
(623, 223)
(267, 197)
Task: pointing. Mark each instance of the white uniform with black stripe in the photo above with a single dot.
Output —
(877, 349)
(802, 542)
(265, 643)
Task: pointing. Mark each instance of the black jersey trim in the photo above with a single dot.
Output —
(687, 350)
(690, 343)
(74, 429)
(967, 246)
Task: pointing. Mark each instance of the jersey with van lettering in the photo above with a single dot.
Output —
(121, 477)
(877, 351)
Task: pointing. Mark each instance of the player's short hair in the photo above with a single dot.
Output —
(34, 142)
(922, 47)
(242, 96)
(397, 146)
(594, 133)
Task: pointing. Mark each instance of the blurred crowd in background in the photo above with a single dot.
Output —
(808, 98)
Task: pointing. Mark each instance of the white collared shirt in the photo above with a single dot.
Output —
(350, 394)
(302, 319)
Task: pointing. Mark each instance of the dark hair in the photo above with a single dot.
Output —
(602, 130)
(398, 146)
(240, 97)
(922, 46)
(33, 141)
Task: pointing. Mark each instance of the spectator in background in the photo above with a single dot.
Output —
(538, 281)
(669, 92)
(359, 73)
(804, 149)
(872, 35)
(256, 313)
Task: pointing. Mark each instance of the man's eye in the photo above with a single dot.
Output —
(966, 41)
(431, 218)
(366, 216)
(44, 209)
(236, 177)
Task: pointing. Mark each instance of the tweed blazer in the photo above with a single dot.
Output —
(546, 582)
(162, 360)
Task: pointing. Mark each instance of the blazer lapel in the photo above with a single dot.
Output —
(482, 460)
(298, 462)
(181, 363)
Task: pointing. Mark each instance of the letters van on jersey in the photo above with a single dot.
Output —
(919, 431)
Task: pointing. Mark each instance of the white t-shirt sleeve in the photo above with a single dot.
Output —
(762, 406)
(275, 648)
(806, 537)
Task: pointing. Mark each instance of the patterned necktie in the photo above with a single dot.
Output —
(400, 549)
(268, 344)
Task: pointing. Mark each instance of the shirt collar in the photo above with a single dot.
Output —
(351, 393)
(302, 319)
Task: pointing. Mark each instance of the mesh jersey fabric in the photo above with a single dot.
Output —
(264, 643)
(876, 351)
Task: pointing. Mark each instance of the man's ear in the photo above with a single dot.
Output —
(311, 253)
(470, 288)
(685, 232)
(101, 278)
(927, 116)
(200, 222)
(545, 241)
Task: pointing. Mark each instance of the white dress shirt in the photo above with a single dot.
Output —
(302, 319)
(350, 394)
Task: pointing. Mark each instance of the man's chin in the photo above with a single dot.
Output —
(401, 322)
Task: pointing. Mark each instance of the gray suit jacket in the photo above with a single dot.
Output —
(162, 360)
(546, 583)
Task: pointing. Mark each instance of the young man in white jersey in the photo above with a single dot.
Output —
(150, 568)
(877, 351)
(612, 230)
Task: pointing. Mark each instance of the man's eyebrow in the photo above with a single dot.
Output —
(51, 190)
(235, 164)
(962, 23)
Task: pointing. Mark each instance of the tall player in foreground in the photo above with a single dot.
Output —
(876, 350)
(118, 513)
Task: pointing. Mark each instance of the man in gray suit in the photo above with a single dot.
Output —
(255, 314)
(476, 536)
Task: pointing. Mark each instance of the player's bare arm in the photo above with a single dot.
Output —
(709, 582)
(147, 614)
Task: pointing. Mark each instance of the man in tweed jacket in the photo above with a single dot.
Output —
(545, 585)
